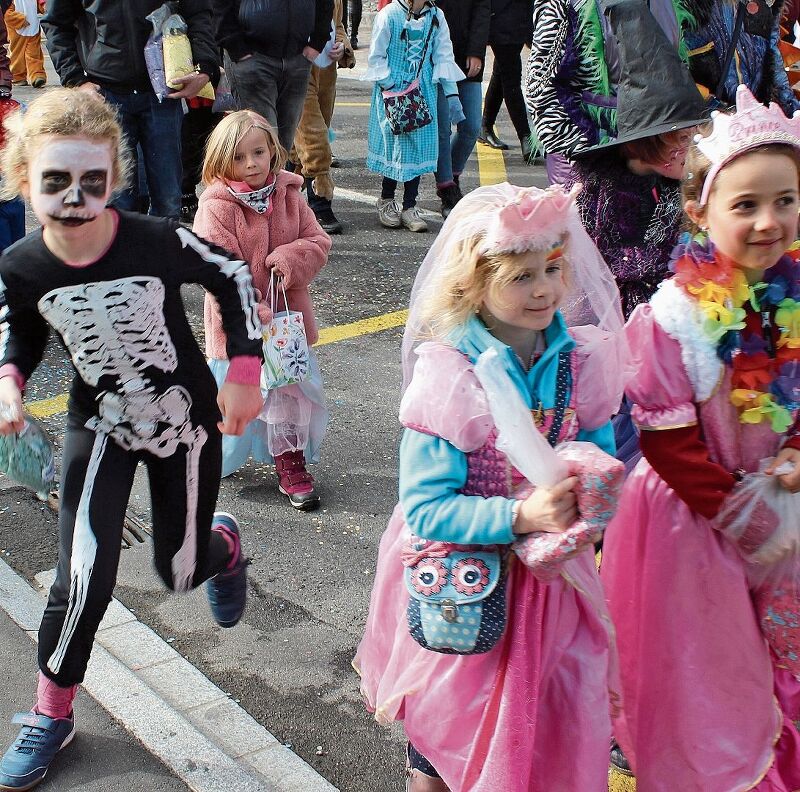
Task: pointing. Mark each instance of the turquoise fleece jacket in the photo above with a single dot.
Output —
(432, 471)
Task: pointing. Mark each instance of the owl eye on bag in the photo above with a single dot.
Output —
(470, 576)
(429, 577)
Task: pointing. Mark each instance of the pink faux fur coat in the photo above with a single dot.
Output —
(289, 239)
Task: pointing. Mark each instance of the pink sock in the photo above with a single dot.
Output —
(53, 700)
(234, 546)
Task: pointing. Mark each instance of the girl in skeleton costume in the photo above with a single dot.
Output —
(108, 282)
(254, 208)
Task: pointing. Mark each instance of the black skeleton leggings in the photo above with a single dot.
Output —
(97, 476)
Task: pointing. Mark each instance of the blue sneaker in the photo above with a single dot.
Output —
(227, 591)
(26, 762)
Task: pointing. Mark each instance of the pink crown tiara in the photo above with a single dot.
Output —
(534, 219)
(750, 126)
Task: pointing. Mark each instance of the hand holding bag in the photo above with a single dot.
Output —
(407, 110)
(285, 344)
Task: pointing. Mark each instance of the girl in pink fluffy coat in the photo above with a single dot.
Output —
(517, 699)
(254, 208)
(710, 706)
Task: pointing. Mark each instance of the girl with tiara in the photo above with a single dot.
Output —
(514, 696)
(708, 522)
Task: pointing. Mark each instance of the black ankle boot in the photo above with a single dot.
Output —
(488, 138)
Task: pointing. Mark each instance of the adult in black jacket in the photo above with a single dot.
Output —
(511, 28)
(99, 45)
(468, 21)
(270, 46)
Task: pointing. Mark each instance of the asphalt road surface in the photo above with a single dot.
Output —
(288, 662)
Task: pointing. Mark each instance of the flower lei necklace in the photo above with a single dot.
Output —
(766, 373)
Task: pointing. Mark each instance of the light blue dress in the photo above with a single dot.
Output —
(394, 57)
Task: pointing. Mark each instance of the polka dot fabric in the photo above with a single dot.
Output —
(465, 611)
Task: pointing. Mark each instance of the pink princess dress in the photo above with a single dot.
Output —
(708, 708)
(533, 713)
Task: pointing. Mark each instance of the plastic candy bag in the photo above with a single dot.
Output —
(600, 476)
(762, 519)
(27, 457)
(168, 53)
(178, 60)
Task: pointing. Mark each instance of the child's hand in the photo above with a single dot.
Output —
(789, 481)
(11, 418)
(239, 404)
(551, 509)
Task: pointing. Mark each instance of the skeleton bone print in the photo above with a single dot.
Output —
(117, 328)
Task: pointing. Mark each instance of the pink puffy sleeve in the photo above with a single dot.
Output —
(445, 398)
(660, 389)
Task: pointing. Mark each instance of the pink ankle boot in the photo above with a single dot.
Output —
(295, 481)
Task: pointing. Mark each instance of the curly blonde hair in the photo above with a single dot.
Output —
(222, 143)
(66, 112)
(463, 282)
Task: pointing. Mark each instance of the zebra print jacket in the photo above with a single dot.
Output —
(571, 72)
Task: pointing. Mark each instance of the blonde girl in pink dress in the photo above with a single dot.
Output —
(529, 711)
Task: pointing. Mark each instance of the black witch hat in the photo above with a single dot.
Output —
(656, 93)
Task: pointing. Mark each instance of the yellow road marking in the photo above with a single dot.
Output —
(46, 408)
(353, 104)
(491, 165)
(375, 324)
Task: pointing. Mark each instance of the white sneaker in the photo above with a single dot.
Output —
(412, 219)
(388, 212)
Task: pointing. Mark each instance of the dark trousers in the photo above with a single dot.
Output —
(356, 6)
(198, 124)
(274, 87)
(96, 480)
(506, 84)
(154, 129)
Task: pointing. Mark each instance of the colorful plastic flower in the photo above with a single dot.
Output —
(751, 372)
(786, 387)
(721, 319)
(787, 317)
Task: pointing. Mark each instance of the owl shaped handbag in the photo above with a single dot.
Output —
(457, 596)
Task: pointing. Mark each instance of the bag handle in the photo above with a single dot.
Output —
(273, 296)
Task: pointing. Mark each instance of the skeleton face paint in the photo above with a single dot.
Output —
(70, 180)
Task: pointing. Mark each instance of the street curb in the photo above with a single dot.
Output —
(180, 716)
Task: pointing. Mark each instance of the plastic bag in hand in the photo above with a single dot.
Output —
(763, 520)
(600, 478)
(27, 457)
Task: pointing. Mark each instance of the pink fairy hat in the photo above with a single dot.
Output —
(534, 219)
(752, 125)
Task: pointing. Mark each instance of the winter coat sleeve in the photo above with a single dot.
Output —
(554, 128)
(782, 91)
(479, 29)
(227, 32)
(198, 16)
(445, 70)
(300, 261)
(323, 14)
(60, 27)
(228, 279)
(23, 334)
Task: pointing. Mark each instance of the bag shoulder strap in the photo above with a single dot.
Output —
(563, 383)
(737, 31)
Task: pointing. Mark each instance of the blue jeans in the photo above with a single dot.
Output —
(154, 128)
(12, 222)
(454, 150)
